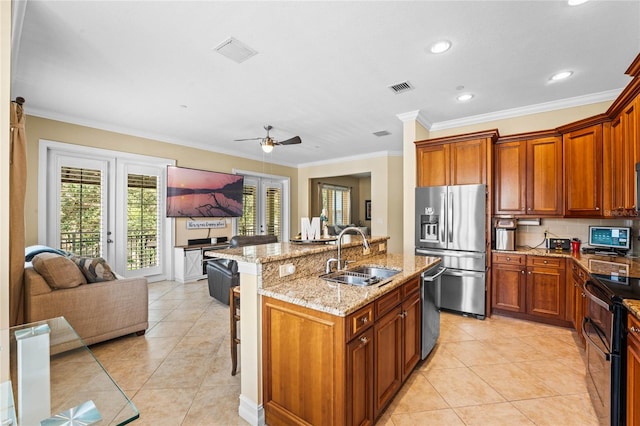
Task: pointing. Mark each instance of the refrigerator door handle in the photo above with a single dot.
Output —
(443, 218)
(450, 218)
(473, 255)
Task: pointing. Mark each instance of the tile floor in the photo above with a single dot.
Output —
(492, 372)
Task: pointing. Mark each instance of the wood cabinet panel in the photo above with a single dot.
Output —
(630, 151)
(468, 162)
(545, 292)
(544, 176)
(510, 177)
(388, 358)
(528, 177)
(509, 258)
(509, 286)
(359, 321)
(582, 153)
(433, 165)
(633, 371)
(411, 332)
(360, 380)
(304, 364)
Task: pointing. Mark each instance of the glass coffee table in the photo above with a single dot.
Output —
(80, 392)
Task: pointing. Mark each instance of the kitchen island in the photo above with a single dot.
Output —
(296, 325)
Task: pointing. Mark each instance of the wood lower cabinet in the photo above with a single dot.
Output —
(582, 154)
(509, 282)
(322, 369)
(397, 347)
(633, 371)
(531, 287)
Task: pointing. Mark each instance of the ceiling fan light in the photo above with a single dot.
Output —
(267, 147)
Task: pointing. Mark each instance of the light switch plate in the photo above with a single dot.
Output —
(287, 269)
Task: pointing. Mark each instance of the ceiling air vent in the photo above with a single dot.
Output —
(235, 50)
(405, 86)
(381, 133)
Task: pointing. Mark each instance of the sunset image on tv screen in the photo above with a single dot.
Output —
(203, 193)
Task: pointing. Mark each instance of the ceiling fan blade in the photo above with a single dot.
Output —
(250, 139)
(294, 140)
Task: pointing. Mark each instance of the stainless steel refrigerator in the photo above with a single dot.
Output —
(450, 224)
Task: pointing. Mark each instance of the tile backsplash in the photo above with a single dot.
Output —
(533, 235)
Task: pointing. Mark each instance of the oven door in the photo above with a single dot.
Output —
(599, 359)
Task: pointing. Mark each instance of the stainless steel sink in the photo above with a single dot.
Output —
(375, 271)
(361, 276)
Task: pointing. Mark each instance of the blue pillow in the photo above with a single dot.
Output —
(31, 251)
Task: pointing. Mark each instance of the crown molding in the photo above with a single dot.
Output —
(415, 116)
(352, 158)
(528, 110)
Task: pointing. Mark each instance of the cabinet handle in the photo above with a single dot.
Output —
(529, 209)
(597, 208)
(545, 262)
(529, 272)
(364, 340)
(634, 330)
(522, 271)
(508, 259)
(364, 320)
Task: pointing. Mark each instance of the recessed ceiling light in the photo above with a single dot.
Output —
(576, 2)
(440, 46)
(561, 75)
(465, 97)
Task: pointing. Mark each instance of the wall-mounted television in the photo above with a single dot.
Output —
(203, 193)
(610, 237)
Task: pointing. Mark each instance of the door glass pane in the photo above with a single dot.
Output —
(336, 200)
(273, 212)
(247, 224)
(81, 207)
(142, 222)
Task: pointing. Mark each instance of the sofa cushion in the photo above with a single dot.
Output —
(58, 271)
(95, 269)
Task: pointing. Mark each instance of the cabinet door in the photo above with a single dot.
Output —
(613, 169)
(583, 172)
(509, 284)
(630, 151)
(468, 162)
(510, 177)
(411, 333)
(545, 292)
(388, 358)
(433, 165)
(633, 372)
(360, 380)
(544, 176)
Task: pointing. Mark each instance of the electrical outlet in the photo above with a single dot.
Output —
(366, 251)
(287, 269)
(382, 246)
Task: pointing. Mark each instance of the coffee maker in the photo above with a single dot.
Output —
(505, 233)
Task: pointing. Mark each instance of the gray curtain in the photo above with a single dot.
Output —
(17, 192)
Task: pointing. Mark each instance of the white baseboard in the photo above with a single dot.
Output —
(251, 412)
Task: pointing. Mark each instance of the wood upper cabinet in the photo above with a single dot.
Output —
(528, 177)
(457, 160)
(582, 153)
(433, 165)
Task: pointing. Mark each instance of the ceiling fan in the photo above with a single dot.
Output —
(268, 142)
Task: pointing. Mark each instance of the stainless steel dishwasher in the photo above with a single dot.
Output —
(430, 297)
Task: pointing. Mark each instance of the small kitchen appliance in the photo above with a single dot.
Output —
(505, 230)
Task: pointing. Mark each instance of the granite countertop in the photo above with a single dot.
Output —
(594, 264)
(265, 253)
(342, 299)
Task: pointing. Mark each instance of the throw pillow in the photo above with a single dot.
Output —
(95, 269)
(58, 271)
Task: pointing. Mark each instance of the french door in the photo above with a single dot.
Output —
(265, 207)
(97, 205)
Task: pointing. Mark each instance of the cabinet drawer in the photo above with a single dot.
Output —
(633, 326)
(410, 287)
(359, 321)
(546, 261)
(387, 302)
(580, 273)
(509, 258)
